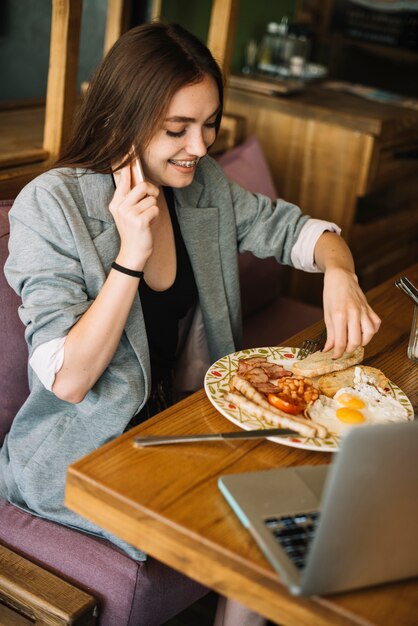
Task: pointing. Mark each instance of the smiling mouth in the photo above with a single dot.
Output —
(187, 164)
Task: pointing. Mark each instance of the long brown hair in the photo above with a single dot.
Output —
(130, 93)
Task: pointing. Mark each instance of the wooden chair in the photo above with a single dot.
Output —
(19, 164)
(29, 595)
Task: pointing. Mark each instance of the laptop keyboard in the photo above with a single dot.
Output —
(294, 534)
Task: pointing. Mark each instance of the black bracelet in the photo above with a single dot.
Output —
(127, 271)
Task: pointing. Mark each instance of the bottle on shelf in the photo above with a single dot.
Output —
(271, 48)
(295, 51)
(251, 52)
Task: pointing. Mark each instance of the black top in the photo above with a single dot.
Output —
(162, 312)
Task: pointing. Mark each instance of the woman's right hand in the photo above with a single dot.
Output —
(134, 208)
(94, 338)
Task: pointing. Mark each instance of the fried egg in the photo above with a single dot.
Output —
(363, 403)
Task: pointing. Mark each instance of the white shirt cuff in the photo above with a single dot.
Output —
(302, 254)
(47, 360)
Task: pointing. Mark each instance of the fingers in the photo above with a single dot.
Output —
(345, 332)
(126, 187)
(362, 328)
(329, 343)
(136, 201)
(370, 325)
(123, 183)
(338, 329)
(349, 319)
(354, 331)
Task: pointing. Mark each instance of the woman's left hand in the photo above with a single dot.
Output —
(349, 319)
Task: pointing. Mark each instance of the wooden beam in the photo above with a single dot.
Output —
(155, 9)
(222, 31)
(42, 597)
(62, 74)
(116, 22)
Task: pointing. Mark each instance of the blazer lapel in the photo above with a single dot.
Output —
(97, 191)
(200, 230)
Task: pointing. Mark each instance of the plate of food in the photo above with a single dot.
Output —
(319, 398)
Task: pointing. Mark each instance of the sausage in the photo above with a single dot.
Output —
(250, 393)
(282, 421)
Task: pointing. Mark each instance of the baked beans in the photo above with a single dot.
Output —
(299, 389)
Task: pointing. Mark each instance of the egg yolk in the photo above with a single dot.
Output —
(349, 416)
(353, 402)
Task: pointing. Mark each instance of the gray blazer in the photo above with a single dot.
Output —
(62, 243)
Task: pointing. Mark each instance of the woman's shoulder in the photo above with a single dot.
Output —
(209, 168)
(51, 180)
(211, 178)
(53, 188)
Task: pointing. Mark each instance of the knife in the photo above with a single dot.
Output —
(142, 442)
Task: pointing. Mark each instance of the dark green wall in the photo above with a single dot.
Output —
(24, 45)
(251, 22)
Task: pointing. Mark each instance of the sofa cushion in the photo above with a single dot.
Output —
(129, 593)
(13, 353)
(246, 165)
(261, 280)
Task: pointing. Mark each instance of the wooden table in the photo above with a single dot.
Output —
(166, 501)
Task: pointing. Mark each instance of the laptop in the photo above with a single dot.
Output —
(337, 527)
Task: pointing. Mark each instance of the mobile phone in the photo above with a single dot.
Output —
(137, 169)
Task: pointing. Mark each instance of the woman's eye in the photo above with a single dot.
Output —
(210, 124)
(171, 133)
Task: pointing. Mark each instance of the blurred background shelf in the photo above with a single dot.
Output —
(329, 152)
(335, 154)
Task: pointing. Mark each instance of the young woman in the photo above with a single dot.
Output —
(120, 277)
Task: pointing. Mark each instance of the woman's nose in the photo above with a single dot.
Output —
(197, 145)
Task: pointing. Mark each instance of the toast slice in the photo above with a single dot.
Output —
(320, 363)
(329, 384)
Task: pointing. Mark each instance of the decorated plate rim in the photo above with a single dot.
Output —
(217, 380)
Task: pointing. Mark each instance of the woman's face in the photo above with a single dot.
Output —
(186, 133)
